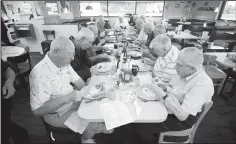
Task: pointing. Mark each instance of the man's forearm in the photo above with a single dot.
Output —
(50, 106)
(10, 75)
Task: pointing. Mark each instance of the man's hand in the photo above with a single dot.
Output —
(148, 61)
(71, 97)
(158, 91)
(104, 56)
(137, 42)
(8, 90)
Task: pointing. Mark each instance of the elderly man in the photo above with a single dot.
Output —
(149, 57)
(148, 30)
(187, 93)
(164, 67)
(51, 81)
(100, 26)
(84, 42)
(121, 23)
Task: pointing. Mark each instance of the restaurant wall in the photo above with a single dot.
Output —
(175, 9)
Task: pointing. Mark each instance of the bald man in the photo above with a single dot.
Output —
(52, 83)
(121, 22)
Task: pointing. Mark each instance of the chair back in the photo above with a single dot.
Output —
(221, 43)
(208, 59)
(234, 49)
(18, 60)
(189, 132)
(49, 32)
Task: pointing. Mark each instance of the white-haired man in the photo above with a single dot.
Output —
(148, 28)
(164, 67)
(51, 83)
(121, 23)
(186, 95)
(149, 58)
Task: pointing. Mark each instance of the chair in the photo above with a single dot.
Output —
(46, 44)
(189, 132)
(213, 71)
(22, 66)
(221, 43)
(59, 135)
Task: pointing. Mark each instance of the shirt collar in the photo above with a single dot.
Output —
(172, 54)
(51, 65)
(193, 75)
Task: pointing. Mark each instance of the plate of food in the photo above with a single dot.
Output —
(147, 92)
(143, 67)
(93, 91)
(135, 54)
(103, 67)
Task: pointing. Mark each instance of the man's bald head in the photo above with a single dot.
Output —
(159, 29)
(139, 23)
(143, 17)
(148, 27)
(161, 45)
(61, 44)
(61, 51)
(100, 23)
(93, 29)
(85, 33)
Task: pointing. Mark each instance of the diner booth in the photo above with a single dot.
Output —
(120, 89)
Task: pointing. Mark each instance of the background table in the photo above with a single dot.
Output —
(152, 112)
(11, 51)
(222, 59)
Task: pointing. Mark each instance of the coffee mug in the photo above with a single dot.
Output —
(135, 70)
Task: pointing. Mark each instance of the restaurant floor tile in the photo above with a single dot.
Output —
(218, 126)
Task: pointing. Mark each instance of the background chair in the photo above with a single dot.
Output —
(46, 44)
(217, 75)
(22, 66)
(59, 135)
(189, 132)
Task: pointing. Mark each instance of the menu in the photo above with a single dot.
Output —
(115, 114)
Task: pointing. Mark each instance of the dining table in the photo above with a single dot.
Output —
(11, 51)
(151, 111)
(182, 35)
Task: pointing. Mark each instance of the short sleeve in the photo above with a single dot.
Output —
(194, 100)
(73, 75)
(40, 91)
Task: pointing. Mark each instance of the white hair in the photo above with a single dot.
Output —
(143, 17)
(60, 44)
(191, 56)
(93, 29)
(85, 33)
(161, 39)
(160, 29)
(149, 25)
(139, 21)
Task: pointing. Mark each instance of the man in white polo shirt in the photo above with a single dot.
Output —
(185, 97)
(164, 67)
(52, 83)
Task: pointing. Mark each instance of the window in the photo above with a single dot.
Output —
(116, 8)
(94, 8)
(52, 7)
(150, 8)
(229, 12)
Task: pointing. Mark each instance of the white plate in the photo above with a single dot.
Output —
(135, 53)
(90, 92)
(146, 92)
(143, 67)
(103, 67)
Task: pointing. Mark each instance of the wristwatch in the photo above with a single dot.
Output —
(164, 98)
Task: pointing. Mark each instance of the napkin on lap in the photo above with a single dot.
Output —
(75, 123)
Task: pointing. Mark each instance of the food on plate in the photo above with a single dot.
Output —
(135, 54)
(103, 67)
(148, 91)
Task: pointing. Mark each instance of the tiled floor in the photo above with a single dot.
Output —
(218, 126)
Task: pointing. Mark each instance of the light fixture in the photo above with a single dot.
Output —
(216, 9)
(89, 7)
(188, 6)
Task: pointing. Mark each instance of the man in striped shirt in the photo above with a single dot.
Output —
(164, 68)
